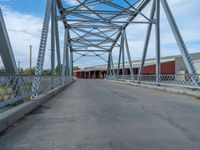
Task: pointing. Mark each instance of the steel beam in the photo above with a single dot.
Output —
(146, 43)
(181, 44)
(119, 61)
(57, 43)
(84, 21)
(129, 56)
(65, 63)
(157, 40)
(108, 66)
(123, 55)
(42, 49)
(6, 51)
(142, 5)
(71, 64)
(113, 68)
(53, 7)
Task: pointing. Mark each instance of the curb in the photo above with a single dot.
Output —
(13, 115)
(181, 91)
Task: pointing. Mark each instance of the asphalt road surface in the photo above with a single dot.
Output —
(105, 115)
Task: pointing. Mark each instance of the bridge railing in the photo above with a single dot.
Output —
(16, 89)
(178, 80)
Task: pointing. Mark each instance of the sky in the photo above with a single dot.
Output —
(24, 20)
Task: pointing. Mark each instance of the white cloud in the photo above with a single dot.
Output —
(72, 2)
(186, 15)
(25, 29)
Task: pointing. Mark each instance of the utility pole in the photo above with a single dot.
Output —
(30, 71)
(19, 66)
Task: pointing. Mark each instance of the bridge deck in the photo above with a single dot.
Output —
(103, 115)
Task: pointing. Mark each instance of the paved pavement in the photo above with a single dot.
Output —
(104, 115)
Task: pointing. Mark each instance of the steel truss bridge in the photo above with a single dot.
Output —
(92, 28)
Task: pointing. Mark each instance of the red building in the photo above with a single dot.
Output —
(169, 65)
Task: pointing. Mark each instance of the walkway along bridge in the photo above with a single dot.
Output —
(96, 114)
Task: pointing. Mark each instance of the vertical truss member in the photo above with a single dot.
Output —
(89, 30)
(155, 13)
(42, 49)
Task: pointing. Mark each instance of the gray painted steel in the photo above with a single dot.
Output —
(85, 21)
(98, 26)
(93, 32)
(179, 39)
(6, 51)
(42, 48)
(53, 37)
(128, 54)
(57, 42)
(148, 34)
(157, 32)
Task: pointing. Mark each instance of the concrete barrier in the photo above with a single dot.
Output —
(14, 114)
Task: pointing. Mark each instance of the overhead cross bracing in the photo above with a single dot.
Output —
(98, 27)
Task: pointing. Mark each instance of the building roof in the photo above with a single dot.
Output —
(136, 63)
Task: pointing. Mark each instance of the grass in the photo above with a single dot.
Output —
(5, 93)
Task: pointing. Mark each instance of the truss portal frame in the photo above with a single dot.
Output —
(98, 27)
